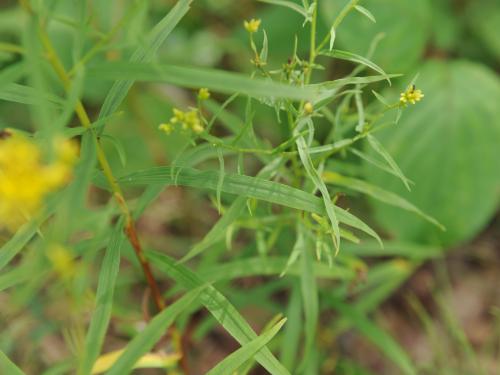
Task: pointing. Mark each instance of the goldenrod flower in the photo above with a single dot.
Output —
(188, 120)
(410, 96)
(25, 180)
(203, 94)
(252, 26)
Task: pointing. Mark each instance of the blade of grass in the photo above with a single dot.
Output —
(378, 193)
(378, 337)
(218, 305)
(104, 302)
(148, 337)
(250, 187)
(8, 367)
(380, 149)
(288, 4)
(352, 57)
(145, 53)
(233, 361)
(191, 77)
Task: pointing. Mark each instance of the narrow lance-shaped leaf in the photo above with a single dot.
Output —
(352, 57)
(191, 77)
(380, 338)
(232, 362)
(155, 329)
(145, 53)
(218, 305)
(104, 302)
(288, 4)
(250, 187)
(377, 193)
(8, 367)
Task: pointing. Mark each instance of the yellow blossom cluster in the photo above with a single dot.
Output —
(25, 179)
(411, 95)
(188, 120)
(252, 26)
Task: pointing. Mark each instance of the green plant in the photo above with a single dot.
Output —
(279, 190)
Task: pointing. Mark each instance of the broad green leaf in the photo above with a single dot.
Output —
(406, 23)
(378, 193)
(190, 77)
(250, 187)
(222, 310)
(104, 302)
(378, 337)
(232, 362)
(447, 145)
(8, 367)
(149, 336)
(352, 57)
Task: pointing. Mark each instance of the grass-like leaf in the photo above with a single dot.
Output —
(380, 149)
(7, 367)
(379, 337)
(104, 302)
(191, 77)
(233, 361)
(270, 266)
(352, 57)
(145, 53)
(377, 193)
(148, 337)
(222, 310)
(250, 187)
(288, 4)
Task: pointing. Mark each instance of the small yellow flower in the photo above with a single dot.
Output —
(203, 94)
(167, 128)
(188, 120)
(252, 26)
(411, 95)
(25, 179)
(308, 108)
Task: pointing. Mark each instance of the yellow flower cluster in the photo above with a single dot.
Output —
(188, 120)
(25, 180)
(252, 26)
(410, 96)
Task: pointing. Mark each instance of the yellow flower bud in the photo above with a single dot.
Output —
(252, 26)
(308, 108)
(203, 94)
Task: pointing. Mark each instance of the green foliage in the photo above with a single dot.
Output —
(448, 146)
(165, 242)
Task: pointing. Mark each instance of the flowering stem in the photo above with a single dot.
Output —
(130, 229)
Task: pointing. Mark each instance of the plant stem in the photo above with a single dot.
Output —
(130, 229)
